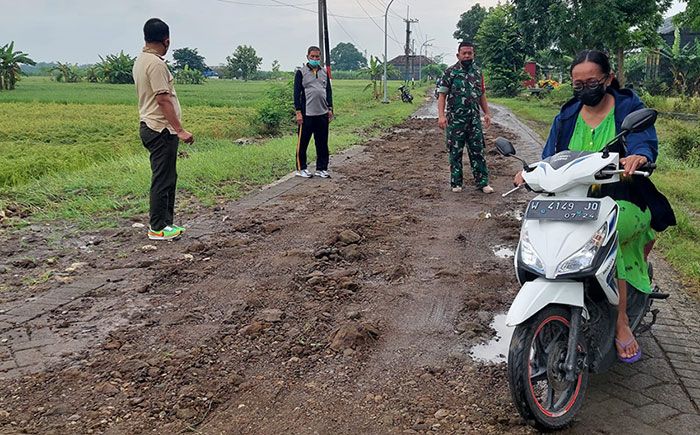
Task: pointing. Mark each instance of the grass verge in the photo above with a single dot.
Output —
(76, 155)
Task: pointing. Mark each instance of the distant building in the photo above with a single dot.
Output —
(657, 67)
(410, 68)
(211, 74)
(668, 29)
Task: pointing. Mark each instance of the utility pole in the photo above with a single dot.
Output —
(326, 41)
(321, 4)
(386, 13)
(407, 48)
(420, 56)
(413, 59)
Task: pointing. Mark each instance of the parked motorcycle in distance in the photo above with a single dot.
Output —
(406, 96)
(565, 312)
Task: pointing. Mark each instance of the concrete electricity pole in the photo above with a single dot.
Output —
(386, 92)
(326, 41)
(407, 48)
(321, 5)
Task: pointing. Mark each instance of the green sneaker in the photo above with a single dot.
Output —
(168, 233)
(177, 227)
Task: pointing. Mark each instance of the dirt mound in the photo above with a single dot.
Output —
(352, 335)
(341, 305)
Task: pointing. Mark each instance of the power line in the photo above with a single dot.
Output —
(420, 32)
(347, 33)
(382, 9)
(288, 5)
(375, 23)
(366, 13)
(263, 5)
(314, 11)
(395, 38)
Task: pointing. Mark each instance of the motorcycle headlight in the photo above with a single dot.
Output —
(528, 255)
(583, 258)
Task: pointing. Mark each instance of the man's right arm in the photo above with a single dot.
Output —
(443, 86)
(159, 79)
(298, 90)
(166, 106)
(442, 120)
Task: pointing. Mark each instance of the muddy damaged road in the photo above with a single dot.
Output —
(346, 305)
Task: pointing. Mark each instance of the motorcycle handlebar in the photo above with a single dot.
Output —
(645, 174)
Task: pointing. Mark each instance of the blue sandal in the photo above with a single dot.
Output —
(634, 358)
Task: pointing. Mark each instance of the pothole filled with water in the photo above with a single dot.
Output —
(496, 350)
(502, 251)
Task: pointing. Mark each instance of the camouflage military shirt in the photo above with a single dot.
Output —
(464, 89)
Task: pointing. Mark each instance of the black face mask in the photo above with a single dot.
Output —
(466, 63)
(590, 96)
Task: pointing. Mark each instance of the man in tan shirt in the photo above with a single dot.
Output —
(161, 131)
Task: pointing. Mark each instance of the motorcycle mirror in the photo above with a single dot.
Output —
(505, 147)
(639, 120)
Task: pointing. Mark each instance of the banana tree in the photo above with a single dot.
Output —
(65, 72)
(683, 62)
(10, 61)
(116, 68)
(374, 72)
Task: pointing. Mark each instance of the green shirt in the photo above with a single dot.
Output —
(586, 138)
(634, 225)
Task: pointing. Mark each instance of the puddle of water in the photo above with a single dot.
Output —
(496, 350)
(503, 251)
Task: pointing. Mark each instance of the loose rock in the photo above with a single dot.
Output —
(272, 315)
(441, 413)
(349, 237)
(252, 329)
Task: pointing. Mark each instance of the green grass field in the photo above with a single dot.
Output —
(72, 151)
(677, 180)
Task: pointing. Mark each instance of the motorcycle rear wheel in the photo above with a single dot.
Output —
(537, 381)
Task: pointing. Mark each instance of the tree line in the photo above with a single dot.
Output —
(189, 67)
(551, 32)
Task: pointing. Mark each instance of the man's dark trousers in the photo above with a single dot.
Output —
(163, 149)
(318, 127)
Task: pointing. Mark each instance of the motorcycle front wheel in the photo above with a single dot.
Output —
(538, 385)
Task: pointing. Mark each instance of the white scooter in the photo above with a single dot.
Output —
(565, 313)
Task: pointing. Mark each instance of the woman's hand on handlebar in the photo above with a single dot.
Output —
(632, 163)
(518, 179)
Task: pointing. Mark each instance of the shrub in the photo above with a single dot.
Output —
(116, 68)
(66, 72)
(504, 82)
(656, 87)
(561, 95)
(276, 109)
(687, 105)
(346, 75)
(684, 144)
(187, 76)
(653, 101)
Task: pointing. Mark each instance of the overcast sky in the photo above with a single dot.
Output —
(77, 31)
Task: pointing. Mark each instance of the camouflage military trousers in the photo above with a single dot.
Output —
(470, 135)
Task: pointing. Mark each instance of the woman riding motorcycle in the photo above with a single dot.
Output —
(586, 123)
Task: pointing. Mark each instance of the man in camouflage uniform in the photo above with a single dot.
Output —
(461, 89)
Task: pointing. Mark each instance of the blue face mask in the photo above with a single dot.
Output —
(315, 63)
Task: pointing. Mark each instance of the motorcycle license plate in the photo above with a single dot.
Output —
(558, 210)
